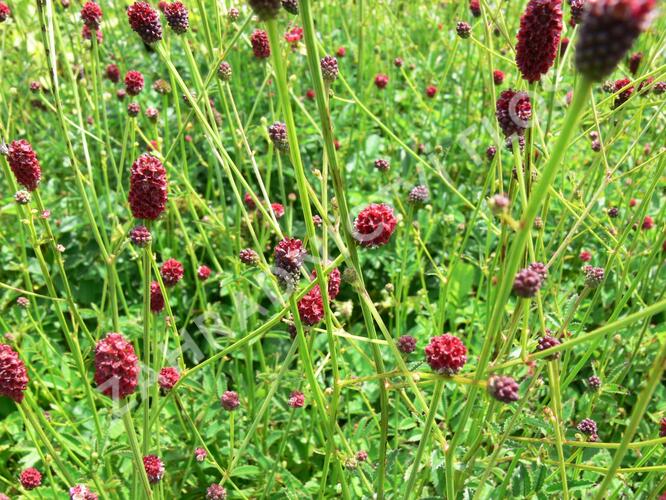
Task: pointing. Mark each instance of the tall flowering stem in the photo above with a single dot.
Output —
(514, 259)
(295, 156)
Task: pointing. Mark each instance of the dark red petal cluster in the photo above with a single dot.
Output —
(635, 62)
(381, 81)
(116, 366)
(577, 8)
(156, 298)
(290, 6)
(112, 73)
(503, 388)
(446, 354)
(265, 9)
(311, 307)
(216, 492)
(140, 236)
(374, 225)
(177, 17)
(608, 30)
(623, 96)
(546, 342)
(145, 21)
(513, 111)
(13, 375)
(260, 44)
(329, 68)
(172, 272)
(5, 12)
(203, 272)
(31, 478)
(148, 187)
(406, 344)
(134, 82)
(229, 400)
(527, 283)
(431, 91)
(91, 14)
(475, 8)
(249, 257)
(24, 164)
(296, 399)
(498, 77)
(334, 279)
(168, 378)
(538, 38)
(290, 254)
(278, 136)
(154, 468)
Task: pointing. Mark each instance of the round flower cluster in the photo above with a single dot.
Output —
(538, 38)
(24, 164)
(546, 342)
(172, 272)
(527, 283)
(503, 388)
(116, 366)
(177, 17)
(297, 399)
(513, 111)
(374, 225)
(134, 82)
(30, 478)
(13, 374)
(148, 187)
(140, 236)
(168, 378)
(229, 400)
(156, 298)
(260, 44)
(145, 21)
(446, 354)
(154, 468)
(329, 68)
(406, 344)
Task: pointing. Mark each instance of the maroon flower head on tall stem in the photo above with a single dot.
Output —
(381, 81)
(116, 366)
(329, 68)
(91, 14)
(177, 17)
(5, 12)
(112, 73)
(156, 298)
(538, 38)
(513, 111)
(635, 62)
(311, 307)
(30, 478)
(13, 375)
(172, 272)
(374, 225)
(609, 29)
(154, 468)
(24, 164)
(446, 354)
(148, 187)
(134, 82)
(265, 9)
(229, 400)
(145, 21)
(260, 44)
(475, 8)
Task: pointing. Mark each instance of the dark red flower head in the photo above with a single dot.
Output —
(381, 81)
(13, 375)
(148, 187)
(203, 272)
(406, 344)
(635, 61)
(134, 82)
(249, 257)
(475, 8)
(145, 21)
(297, 399)
(577, 8)
(498, 77)
(463, 29)
(24, 164)
(625, 94)
(177, 17)
(91, 14)
(446, 354)
(216, 492)
(334, 279)
(112, 73)
(538, 38)
(290, 6)
(374, 225)
(154, 468)
(513, 111)
(265, 9)
(311, 307)
(116, 366)
(156, 298)
(172, 272)
(503, 388)
(229, 400)
(5, 12)
(608, 31)
(329, 68)
(140, 236)
(260, 44)
(527, 283)
(168, 378)
(31, 478)
(224, 72)
(278, 135)
(431, 91)
(290, 254)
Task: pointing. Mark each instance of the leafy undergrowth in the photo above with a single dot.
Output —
(377, 274)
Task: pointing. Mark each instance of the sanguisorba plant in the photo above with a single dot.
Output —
(237, 266)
